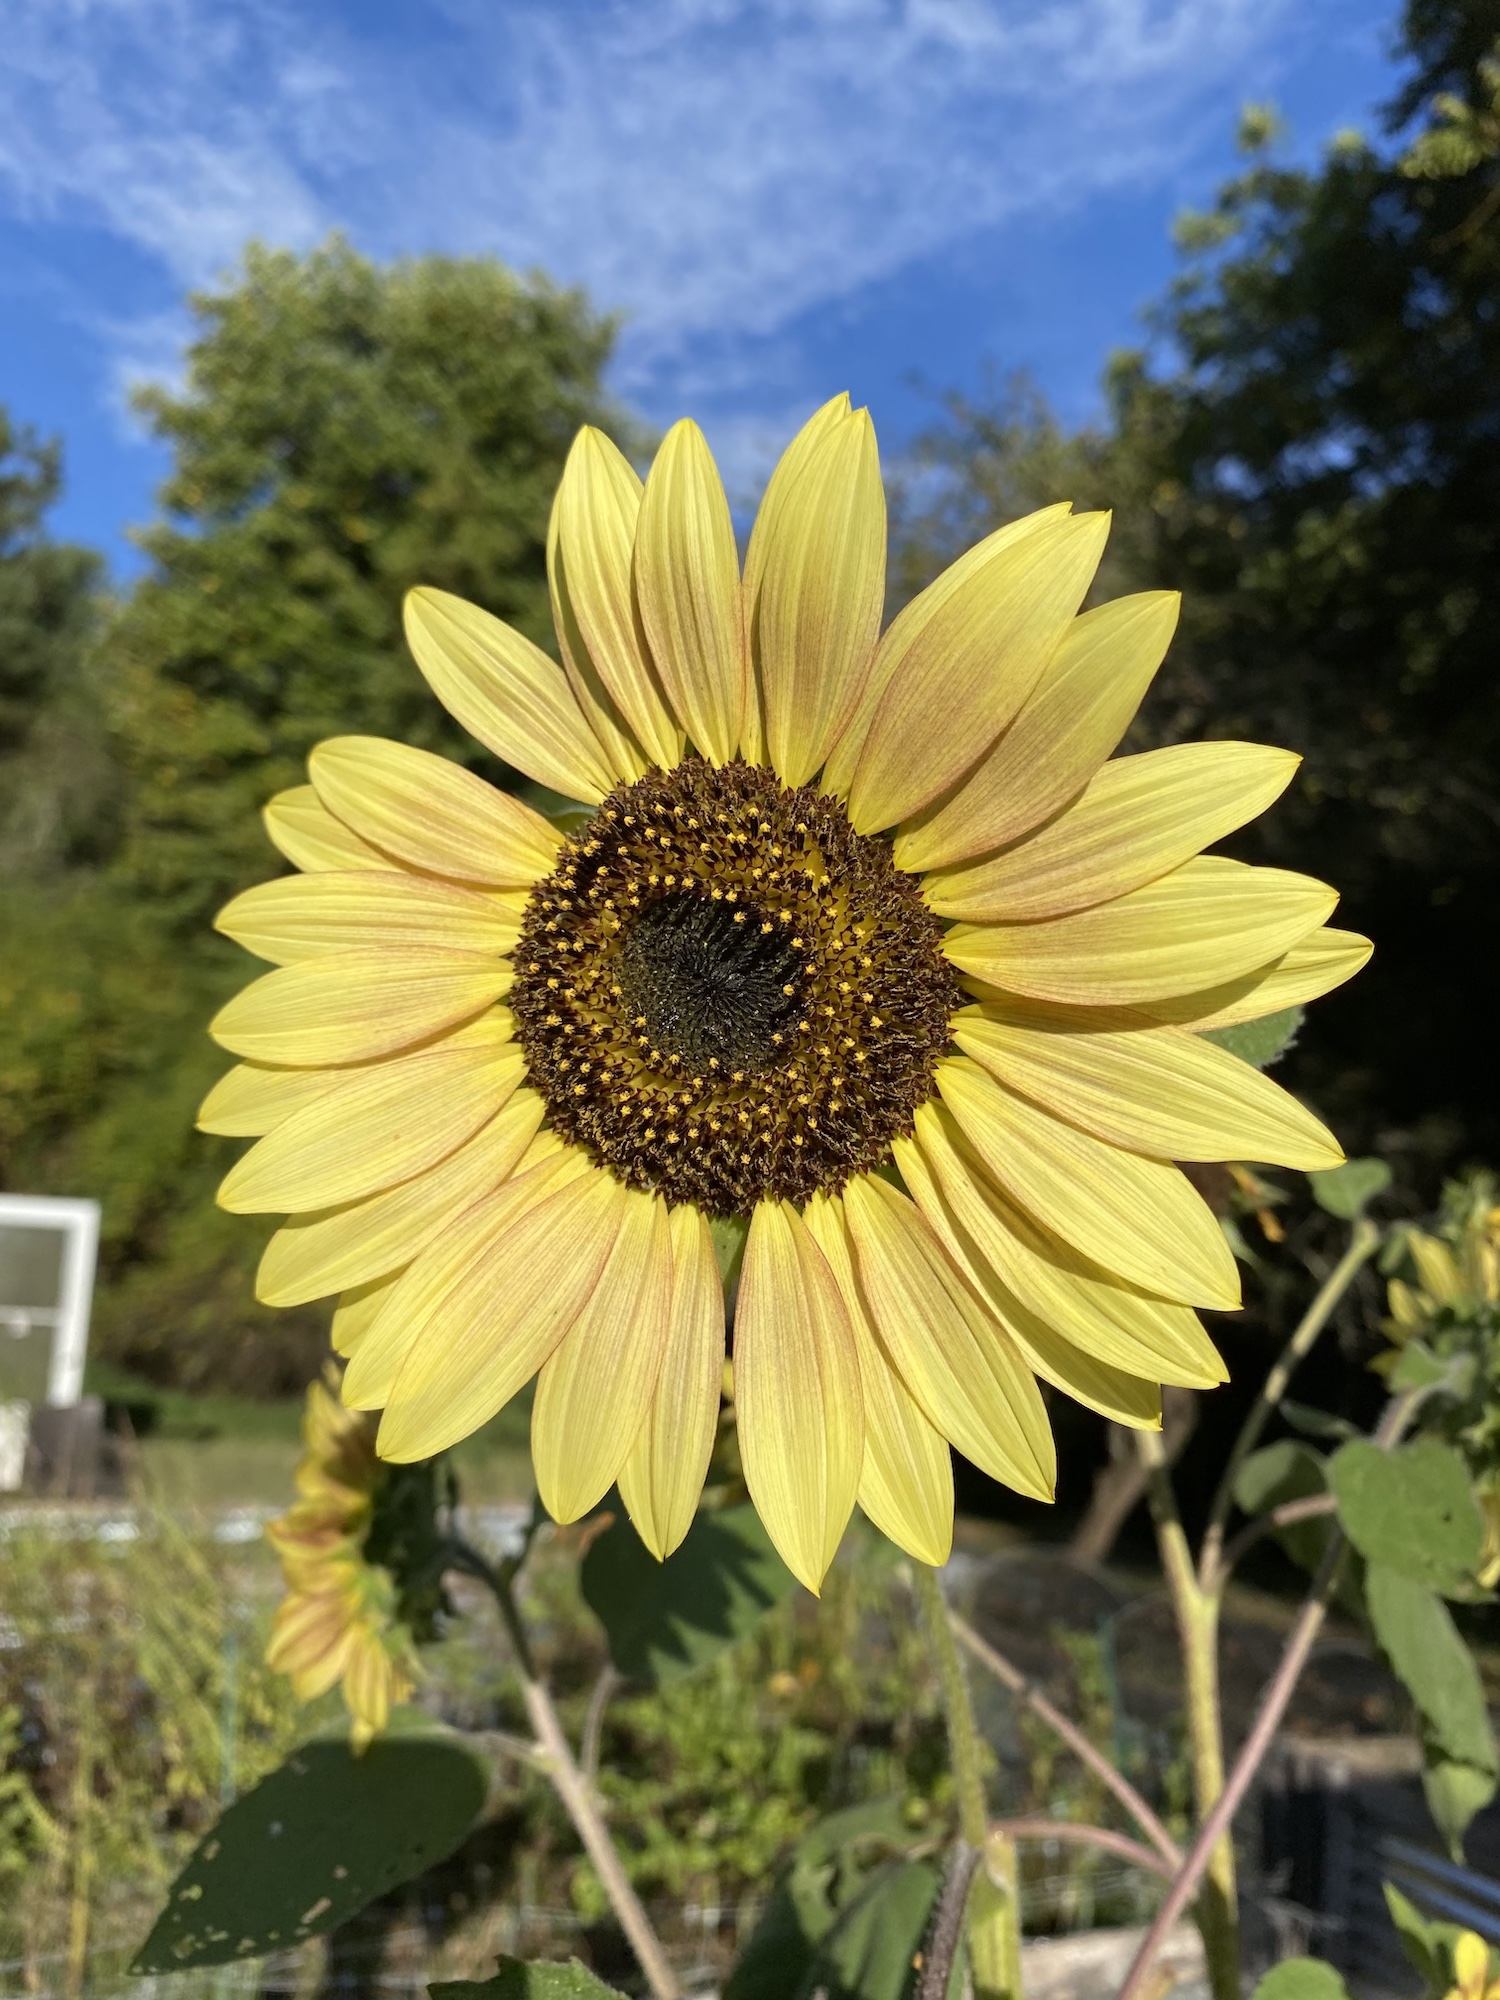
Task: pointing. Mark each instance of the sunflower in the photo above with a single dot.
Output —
(860, 944)
(339, 1620)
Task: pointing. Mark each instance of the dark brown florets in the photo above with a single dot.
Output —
(724, 992)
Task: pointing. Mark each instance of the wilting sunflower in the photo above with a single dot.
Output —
(863, 942)
(339, 1620)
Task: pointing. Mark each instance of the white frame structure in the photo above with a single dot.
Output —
(78, 1224)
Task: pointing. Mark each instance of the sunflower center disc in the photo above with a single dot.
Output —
(725, 993)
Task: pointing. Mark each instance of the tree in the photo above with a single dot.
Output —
(1309, 451)
(49, 602)
(345, 431)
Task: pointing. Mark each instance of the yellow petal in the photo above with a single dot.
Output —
(1079, 710)
(307, 916)
(1152, 1090)
(1317, 963)
(252, 1098)
(610, 730)
(351, 1006)
(789, 468)
(964, 670)
(431, 813)
(320, 1253)
(958, 1365)
(375, 1128)
(662, 1478)
(1209, 921)
(506, 693)
(488, 1331)
(357, 1311)
(594, 1392)
(303, 829)
(1131, 1330)
(372, 1370)
(906, 1484)
(687, 580)
(1138, 819)
(589, 555)
(815, 615)
(1139, 1218)
(797, 1392)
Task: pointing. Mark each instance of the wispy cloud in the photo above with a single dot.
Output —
(716, 169)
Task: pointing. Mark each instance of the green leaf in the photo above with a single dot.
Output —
(667, 1619)
(1286, 1470)
(1317, 1423)
(1260, 1042)
(1427, 1945)
(1344, 1191)
(1412, 1510)
(1455, 1792)
(1302, 1979)
(315, 1842)
(1418, 1368)
(729, 1233)
(520, 1979)
(1417, 1635)
(869, 1953)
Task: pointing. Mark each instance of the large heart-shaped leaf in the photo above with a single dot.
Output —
(1417, 1635)
(666, 1619)
(1412, 1510)
(315, 1842)
(1302, 1979)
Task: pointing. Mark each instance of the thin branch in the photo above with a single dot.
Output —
(593, 1722)
(500, 1743)
(941, 1945)
(1120, 1844)
(1310, 1508)
(1277, 1695)
(1086, 1752)
(1362, 1244)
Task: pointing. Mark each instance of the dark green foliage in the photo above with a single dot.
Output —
(1260, 1043)
(314, 1843)
(1412, 1511)
(346, 431)
(517, 1980)
(668, 1619)
(54, 788)
(1348, 1190)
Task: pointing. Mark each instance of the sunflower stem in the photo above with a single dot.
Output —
(1197, 1614)
(963, 1736)
(580, 1800)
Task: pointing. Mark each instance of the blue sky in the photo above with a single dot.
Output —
(781, 197)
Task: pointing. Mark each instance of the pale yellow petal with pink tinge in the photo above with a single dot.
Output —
(372, 1372)
(970, 665)
(431, 813)
(302, 828)
(1314, 966)
(815, 616)
(1074, 717)
(962, 1370)
(1154, 1090)
(594, 1391)
(1138, 818)
(687, 581)
(797, 1392)
(906, 1483)
(357, 1311)
(502, 1314)
(251, 1098)
(904, 635)
(590, 551)
(351, 1006)
(1138, 1218)
(308, 916)
(662, 1477)
(332, 1250)
(506, 692)
(376, 1127)
(789, 468)
(1132, 1330)
(1210, 920)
